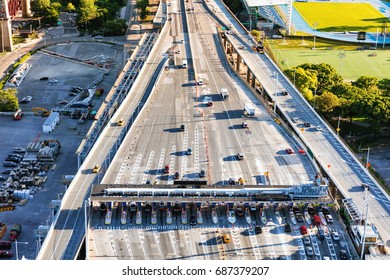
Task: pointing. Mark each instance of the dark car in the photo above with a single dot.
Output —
(5, 254)
(182, 127)
(307, 124)
(7, 171)
(19, 150)
(44, 78)
(177, 175)
(2, 178)
(283, 92)
(232, 181)
(9, 164)
(321, 234)
(192, 220)
(13, 159)
(287, 228)
(258, 229)
(202, 173)
(5, 244)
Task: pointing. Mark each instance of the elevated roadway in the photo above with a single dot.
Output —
(340, 164)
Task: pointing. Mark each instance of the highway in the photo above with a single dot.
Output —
(340, 163)
(215, 135)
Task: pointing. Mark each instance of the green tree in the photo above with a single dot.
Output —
(49, 11)
(384, 86)
(367, 83)
(326, 102)
(378, 110)
(327, 76)
(304, 80)
(87, 11)
(70, 7)
(8, 100)
(350, 98)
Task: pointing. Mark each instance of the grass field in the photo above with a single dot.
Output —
(347, 61)
(341, 16)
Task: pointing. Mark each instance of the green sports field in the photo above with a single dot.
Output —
(351, 64)
(341, 16)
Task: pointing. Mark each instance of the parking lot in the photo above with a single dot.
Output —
(82, 64)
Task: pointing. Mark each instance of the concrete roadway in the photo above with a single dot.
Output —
(215, 135)
(341, 165)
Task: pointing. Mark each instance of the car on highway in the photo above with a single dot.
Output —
(245, 125)
(226, 238)
(121, 122)
(63, 102)
(96, 168)
(321, 234)
(306, 240)
(335, 235)
(284, 92)
(329, 218)
(240, 156)
(182, 127)
(318, 127)
(177, 175)
(44, 78)
(98, 37)
(295, 120)
(307, 124)
(202, 174)
(192, 220)
(290, 151)
(53, 81)
(6, 171)
(200, 82)
(287, 228)
(2, 178)
(258, 230)
(189, 151)
(232, 181)
(309, 251)
(343, 255)
(326, 258)
(303, 229)
(166, 169)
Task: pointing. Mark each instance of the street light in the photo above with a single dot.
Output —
(315, 24)
(86, 229)
(16, 247)
(276, 88)
(338, 127)
(341, 56)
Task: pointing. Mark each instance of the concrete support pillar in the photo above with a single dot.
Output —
(238, 63)
(253, 81)
(5, 35)
(26, 9)
(248, 75)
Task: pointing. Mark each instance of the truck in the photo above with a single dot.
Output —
(184, 64)
(224, 93)
(249, 109)
(15, 231)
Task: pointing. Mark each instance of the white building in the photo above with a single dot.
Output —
(51, 122)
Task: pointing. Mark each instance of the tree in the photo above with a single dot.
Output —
(8, 100)
(87, 11)
(327, 102)
(384, 86)
(367, 83)
(304, 80)
(350, 98)
(70, 7)
(49, 12)
(327, 76)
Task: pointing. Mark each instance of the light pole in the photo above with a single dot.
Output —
(368, 154)
(276, 88)
(16, 247)
(315, 24)
(338, 127)
(86, 229)
(341, 56)
(295, 71)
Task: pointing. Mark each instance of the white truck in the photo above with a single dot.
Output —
(249, 109)
(224, 93)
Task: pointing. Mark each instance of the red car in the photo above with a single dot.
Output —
(289, 151)
(166, 169)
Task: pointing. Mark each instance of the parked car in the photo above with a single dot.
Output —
(226, 238)
(2, 178)
(189, 151)
(287, 228)
(53, 81)
(295, 120)
(166, 169)
(240, 156)
(19, 150)
(5, 254)
(319, 128)
(258, 230)
(44, 78)
(182, 127)
(335, 236)
(96, 168)
(9, 164)
(7, 171)
(202, 173)
(177, 175)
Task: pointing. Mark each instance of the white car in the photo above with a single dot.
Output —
(98, 37)
(329, 218)
(319, 128)
(295, 120)
(336, 236)
(306, 240)
(53, 81)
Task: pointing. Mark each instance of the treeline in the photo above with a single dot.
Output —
(324, 88)
(93, 16)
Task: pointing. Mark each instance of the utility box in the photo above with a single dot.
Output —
(51, 122)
